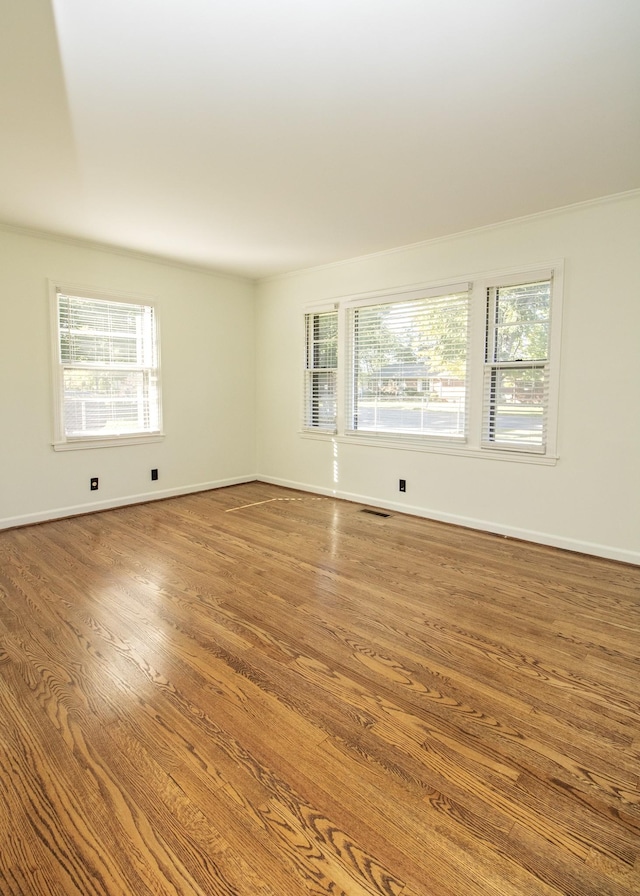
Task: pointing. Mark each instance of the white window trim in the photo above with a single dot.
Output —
(62, 442)
(413, 441)
(306, 427)
(473, 448)
(555, 273)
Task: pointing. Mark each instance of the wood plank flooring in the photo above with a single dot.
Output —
(259, 692)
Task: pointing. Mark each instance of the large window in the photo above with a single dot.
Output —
(321, 370)
(106, 370)
(468, 368)
(516, 373)
(408, 366)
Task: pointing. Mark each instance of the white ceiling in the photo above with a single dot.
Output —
(261, 136)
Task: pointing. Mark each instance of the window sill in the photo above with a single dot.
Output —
(113, 441)
(429, 447)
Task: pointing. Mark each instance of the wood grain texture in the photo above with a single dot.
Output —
(258, 692)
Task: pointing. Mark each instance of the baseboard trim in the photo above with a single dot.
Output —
(58, 513)
(608, 552)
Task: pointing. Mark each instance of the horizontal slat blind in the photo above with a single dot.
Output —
(408, 367)
(516, 374)
(516, 398)
(320, 376)
(108, 354)
(99, 332)
(320, 404)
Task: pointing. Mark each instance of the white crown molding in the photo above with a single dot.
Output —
(460, 234)
(96, 246)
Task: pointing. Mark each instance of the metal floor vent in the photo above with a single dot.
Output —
(376, 512)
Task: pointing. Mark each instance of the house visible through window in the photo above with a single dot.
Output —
(107, 372)
(408, 366)
(468, 368)
(321, 370)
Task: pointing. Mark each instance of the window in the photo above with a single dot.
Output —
(408, 365)
(516, 372)
(321, 371)
(469, 368)
(106, 370)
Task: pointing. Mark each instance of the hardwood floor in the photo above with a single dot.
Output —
(258, 692)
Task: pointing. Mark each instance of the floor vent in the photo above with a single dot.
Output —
(376, 512)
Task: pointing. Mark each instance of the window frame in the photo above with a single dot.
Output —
(312, 373)
(549, 365)
(63, 441)
(473, 446)
(424, 295)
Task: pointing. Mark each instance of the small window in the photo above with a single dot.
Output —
(321, 371)
(106, 370)
(516, 374)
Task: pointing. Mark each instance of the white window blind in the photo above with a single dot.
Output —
(408, 367)
(107, 368)
(320, 382)
(516, 372)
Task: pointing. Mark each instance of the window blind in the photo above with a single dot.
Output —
(408, 367)
(516, 372)
(108, 354)
(320, 384)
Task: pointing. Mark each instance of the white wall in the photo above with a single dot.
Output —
(590, 500)
(208, 374)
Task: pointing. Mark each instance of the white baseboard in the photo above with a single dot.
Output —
(608, 552)
(95, 506)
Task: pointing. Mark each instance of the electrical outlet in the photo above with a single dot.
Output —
(94, 483)
(154, 475)
(402, 485)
